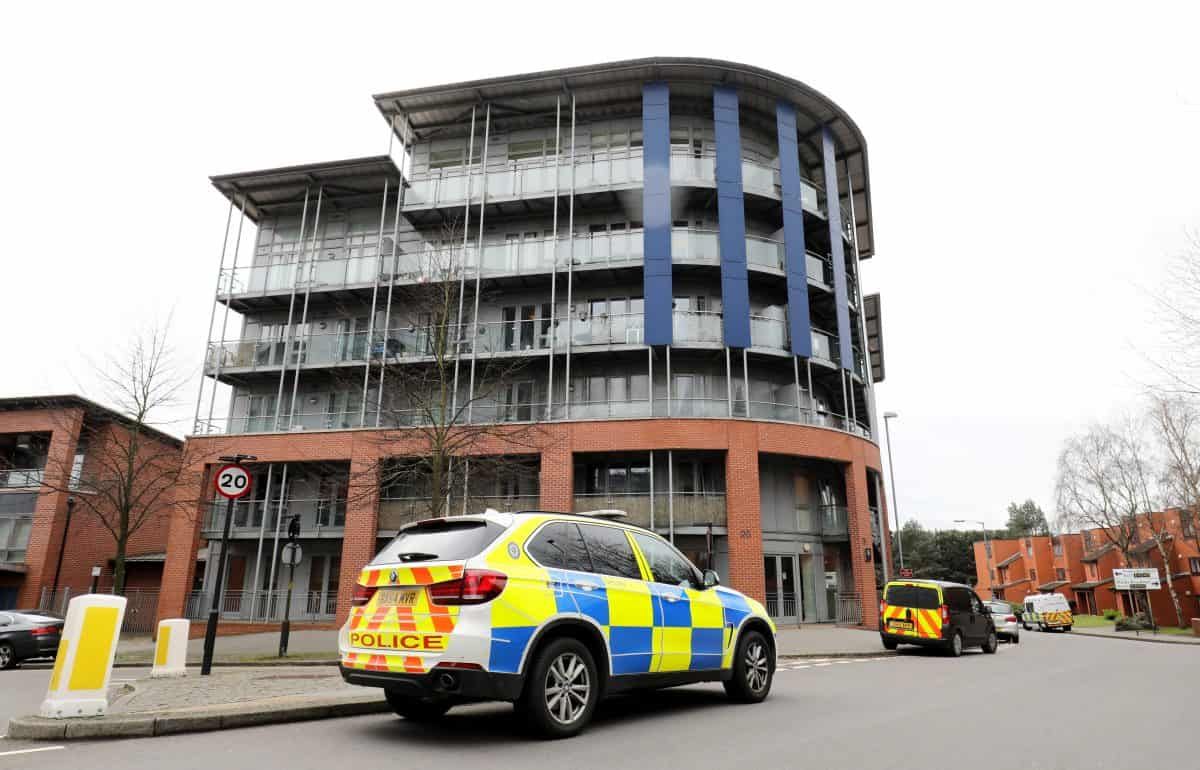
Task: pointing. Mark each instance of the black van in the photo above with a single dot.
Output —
(935, 613)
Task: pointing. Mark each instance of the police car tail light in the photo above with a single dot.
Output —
(945, 615)
(362, 595)
(1011, 619)
(476, 586)
(882, 608)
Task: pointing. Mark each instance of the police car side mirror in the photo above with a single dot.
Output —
(711, 579)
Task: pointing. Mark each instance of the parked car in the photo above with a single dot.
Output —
(551, 611)
(1008, 627)
(935, 613)
(26, 635)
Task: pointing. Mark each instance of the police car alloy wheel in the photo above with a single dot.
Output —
(8, 658)
(561, 690)
(753, 669)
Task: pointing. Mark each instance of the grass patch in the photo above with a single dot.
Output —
(1097, 621)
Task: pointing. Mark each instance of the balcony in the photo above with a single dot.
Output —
(18, 478)
(14, 537)
(834, 522)
(251, 516)
(768, 333)
(696, 326)
(396, 512)
(684, 509)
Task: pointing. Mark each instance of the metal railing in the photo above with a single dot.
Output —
(14, 478)
(849, 609)
(396, 512)
(264, 605)
(141, 607)
(249, 516)
(685, 509)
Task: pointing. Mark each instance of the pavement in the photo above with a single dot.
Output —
(914, 709)
(1139, 636)
(239, 647)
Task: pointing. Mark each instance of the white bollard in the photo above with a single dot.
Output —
(79, 682)
(170, 651)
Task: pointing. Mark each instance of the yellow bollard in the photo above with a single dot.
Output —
(83, 665)
(170, 651)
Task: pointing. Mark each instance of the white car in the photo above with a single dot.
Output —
(1007, 628)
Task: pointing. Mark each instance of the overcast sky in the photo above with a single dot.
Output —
(1033, 167)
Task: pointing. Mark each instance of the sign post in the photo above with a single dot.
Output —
(290, 555)
(1139, 579)
(233, 483)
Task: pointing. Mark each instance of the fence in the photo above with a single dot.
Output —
(141, 608)
(849, 609)
(306, 606)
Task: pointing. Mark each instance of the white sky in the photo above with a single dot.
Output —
(1032, 166)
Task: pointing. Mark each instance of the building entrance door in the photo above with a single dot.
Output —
(782, 587)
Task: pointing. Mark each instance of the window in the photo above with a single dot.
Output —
(610, 551)
(1060, 574)
(666, 565)
(1028, 547)
(957, 599)
(1187, 525)
(1058, 547)
(1194, 564)
(528, 149)
(917, 597)
(1032, 575)
(441, 540)
(559, 545)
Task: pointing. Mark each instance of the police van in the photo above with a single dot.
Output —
(935, 613)
(1047, 611)
(551, 611)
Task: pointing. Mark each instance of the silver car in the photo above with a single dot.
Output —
(1005, 619)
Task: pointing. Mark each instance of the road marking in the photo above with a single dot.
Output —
(30, 751)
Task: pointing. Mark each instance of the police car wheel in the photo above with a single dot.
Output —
(890, 644)
(753, 669)
(991, 644)
(8, 657)
(1016, 639)
(955, 648)
(416, 709)
(562, 689)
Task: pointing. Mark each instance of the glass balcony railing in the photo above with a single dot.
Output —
(696, 326)
(396, 512)
(765, 252)
(269, 353)
(824, 346)
(253, 515)
(768, 332)
(15, 478)
(681, 509)
(834, 520)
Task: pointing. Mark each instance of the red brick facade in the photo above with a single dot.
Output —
(1087, 559)
(741, 440)
(88, 543)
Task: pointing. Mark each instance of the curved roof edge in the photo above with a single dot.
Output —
(851, 144)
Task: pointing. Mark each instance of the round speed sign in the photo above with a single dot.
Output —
(233, 482)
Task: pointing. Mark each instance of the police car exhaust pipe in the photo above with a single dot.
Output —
(447, 681)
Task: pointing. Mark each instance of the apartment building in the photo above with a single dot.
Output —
(642, 277)
(48, 541)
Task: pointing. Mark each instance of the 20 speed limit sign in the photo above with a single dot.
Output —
(233, 482)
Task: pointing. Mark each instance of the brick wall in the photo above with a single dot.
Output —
(557, 443)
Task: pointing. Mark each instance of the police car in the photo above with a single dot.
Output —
(550, 611)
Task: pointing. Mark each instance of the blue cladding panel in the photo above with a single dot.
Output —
(631, 649)
(837, 251)
(656, 211)
(799, 323)
(707, 648)
(731, 214)
(508, 645)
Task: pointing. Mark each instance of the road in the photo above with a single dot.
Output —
(1054, 701)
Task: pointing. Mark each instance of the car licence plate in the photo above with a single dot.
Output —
(900, 625)
(398, 597)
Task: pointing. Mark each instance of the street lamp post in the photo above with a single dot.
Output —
(887, 417)
(987, 549)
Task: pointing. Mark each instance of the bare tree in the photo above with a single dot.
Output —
(1178, 306)
(454, 395)
(131, 467)
(1107, 481)
(1177, 424)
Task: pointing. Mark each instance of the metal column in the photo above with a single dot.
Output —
(554, 258)
(283, 493)
(362, 415)
(212, 316)
(287, 331)
(237, 246)
(487, 127)
(570, 269)
(459, 326)
(312, 263)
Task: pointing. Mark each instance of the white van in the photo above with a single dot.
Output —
(1047, 611)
